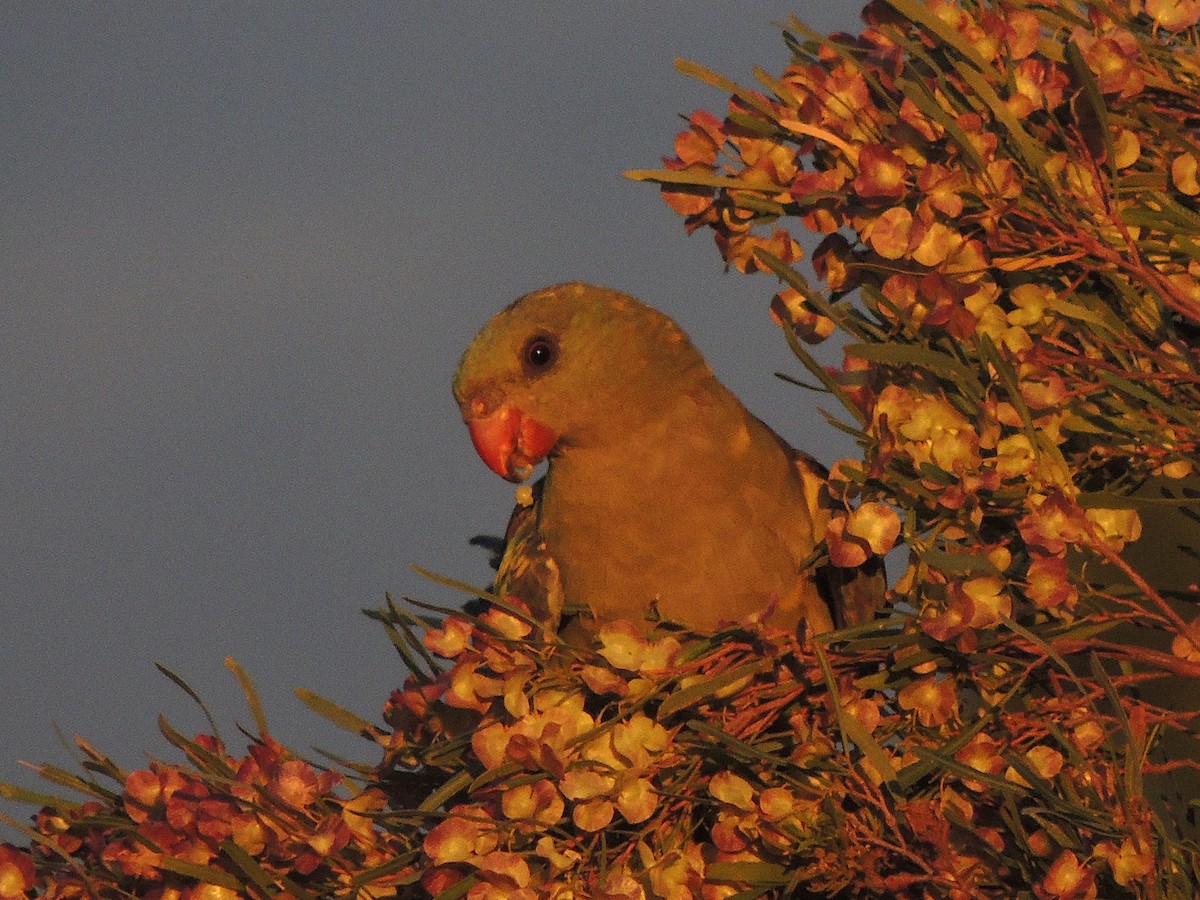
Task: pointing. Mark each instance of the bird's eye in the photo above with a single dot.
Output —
(539, 354)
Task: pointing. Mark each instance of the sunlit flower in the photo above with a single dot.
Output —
(1067, 879)
(1088, 735)
(1113, 59)
(295, 783)
(679, 872)
(504, 623)
(732, 789)
(891, 234)
(505, 869)
(929, 429)
(988, 600)
(875, 523)
(933, 699)
(451, 639)
(627, 648)
(881, 173)
(559, 859)
(1045, 761)
(1052, 523)
(17, 872)
(1184, 169)
(1048, 583)
(210, 891)
(701, 142)
(982, 753)
(1115, 526)
(470, 688)
(466, 834)
(1130, 863)
(538, 801)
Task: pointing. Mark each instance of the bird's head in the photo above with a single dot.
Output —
(570, 365)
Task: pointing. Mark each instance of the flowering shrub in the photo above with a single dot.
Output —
(216, 827)
(1008, 190)
(1006, 196)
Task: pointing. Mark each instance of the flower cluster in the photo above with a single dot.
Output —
(640, 766)
(215, 828)
(578, 773)
(671, 765)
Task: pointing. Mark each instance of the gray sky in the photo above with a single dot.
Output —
(243, 246)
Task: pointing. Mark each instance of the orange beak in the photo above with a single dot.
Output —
(507, 440)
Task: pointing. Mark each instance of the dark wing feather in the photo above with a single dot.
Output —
(854, 595)
(527, 571)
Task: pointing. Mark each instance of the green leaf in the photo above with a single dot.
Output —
(1101, 317)
(187, 689)
(702, 179)
(1135, 746)
(1140, 394)
(1029, 151)
(212, 763)
(33, 798)
(739, 750)
(257, 875)
(201, 873)
(851, 728)
(922, 357)
(383, 870)
(458, 782)
(694, 692)
(400, 627)
(958, 563)
(945, 762)
(446, 581)
(757, 873)
(343, 718)
(459, 888)
(501, 772)
(1091, 94)
(924, 99)
(57, 775)
(818, 301)
(1007, 375)
(708, 76)
(251, 694)
(921, 15)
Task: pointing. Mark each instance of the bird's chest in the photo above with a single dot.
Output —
(680, 532)
(602, 518)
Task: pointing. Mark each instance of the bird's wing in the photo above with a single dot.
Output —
(527, 571)
(858, 593)
(854, 595)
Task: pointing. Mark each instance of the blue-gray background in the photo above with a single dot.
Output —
(243, 246)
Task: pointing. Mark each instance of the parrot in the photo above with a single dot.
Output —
(662, 492)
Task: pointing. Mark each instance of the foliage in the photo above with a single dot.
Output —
(213, 827)
(1010, 192)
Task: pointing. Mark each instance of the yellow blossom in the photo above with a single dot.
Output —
(627, 648)
(1067, 878)
(877, 524)
(1115, 526)
(933, 699)
(1130, 863)
(732, 789)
